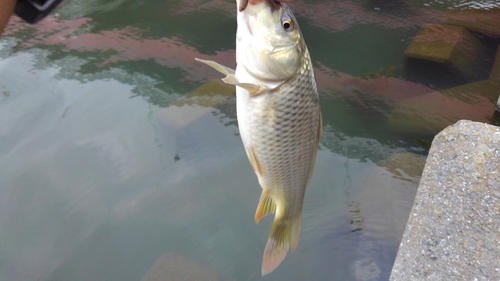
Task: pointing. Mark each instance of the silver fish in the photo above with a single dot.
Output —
(279, 116)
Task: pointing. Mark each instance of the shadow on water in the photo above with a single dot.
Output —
(122, 152)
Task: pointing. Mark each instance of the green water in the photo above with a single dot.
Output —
(105, 167)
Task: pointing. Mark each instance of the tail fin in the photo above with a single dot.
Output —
(284, 235)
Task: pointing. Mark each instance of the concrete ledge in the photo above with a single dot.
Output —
(453, 232)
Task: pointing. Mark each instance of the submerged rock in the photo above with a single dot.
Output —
(202, 101)
(495, 76)
(452, 232)
(174, 267)
(452, 46)
(486, 21)
(471, 92)
(406, 166)
(495, 70)
(497, 110)
(432, 112)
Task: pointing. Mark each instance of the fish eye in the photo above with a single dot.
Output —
(288, 25)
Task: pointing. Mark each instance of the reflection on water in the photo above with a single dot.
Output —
(120, 155)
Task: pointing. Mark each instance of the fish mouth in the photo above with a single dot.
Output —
(244, 3)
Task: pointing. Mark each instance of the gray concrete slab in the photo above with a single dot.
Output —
(453, 232)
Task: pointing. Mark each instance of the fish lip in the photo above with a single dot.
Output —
(275, 5)
(243, 4)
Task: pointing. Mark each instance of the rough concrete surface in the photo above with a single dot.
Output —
(453, 232)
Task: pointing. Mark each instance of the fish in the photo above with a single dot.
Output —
(279, 116)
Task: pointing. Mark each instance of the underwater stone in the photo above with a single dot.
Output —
(453, 229)
(495, 70)
(404, 165)
(431, 112)
(202, 100)
(497, 107)
(452, 46)
(489, 89)
(476, 20)
(174, 267)
(210, 94)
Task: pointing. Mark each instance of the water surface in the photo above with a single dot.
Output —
(116, 147)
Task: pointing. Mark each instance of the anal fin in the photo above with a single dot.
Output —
(266, 205)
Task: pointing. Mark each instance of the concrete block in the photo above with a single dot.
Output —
(450, 45)
(453, 229)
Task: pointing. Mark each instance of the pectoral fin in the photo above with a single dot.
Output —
(253, 90)
(219, 67)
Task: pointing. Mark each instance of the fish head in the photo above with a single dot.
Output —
(269, 42)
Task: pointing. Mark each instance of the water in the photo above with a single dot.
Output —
(107, 163)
